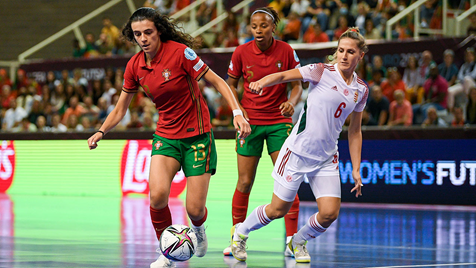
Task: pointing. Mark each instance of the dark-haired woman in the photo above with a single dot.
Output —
(168, 70)
(269, 114)
(335, 92)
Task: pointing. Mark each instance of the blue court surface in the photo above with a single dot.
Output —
(65, 231)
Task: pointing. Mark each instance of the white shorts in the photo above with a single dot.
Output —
(290, 170)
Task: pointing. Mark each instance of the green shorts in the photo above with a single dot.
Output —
(197, 155)
(275, 135)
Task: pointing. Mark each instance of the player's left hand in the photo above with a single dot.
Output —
(287, 109)
(255, 87)
(358, 184)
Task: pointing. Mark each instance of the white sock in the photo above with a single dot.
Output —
(196, 227)
(254, 221)
(311, 230)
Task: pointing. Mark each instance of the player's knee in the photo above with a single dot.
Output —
(244, 185)
(158, 200)
(276, 214)
(195, 212)
(328, 217)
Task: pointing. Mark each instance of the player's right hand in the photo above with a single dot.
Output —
(255, 87)
(93, 140)
(241, 126)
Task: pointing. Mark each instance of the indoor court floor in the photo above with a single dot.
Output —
(65, 231)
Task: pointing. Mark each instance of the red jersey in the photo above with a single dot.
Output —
(171, 83)
(253, 64)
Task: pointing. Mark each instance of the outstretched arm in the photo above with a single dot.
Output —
(274, 79)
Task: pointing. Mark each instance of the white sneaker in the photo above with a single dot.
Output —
(202, 244)
(238, 247)
(301, 254)
(227, 251)
(287, 250)
(162, 262)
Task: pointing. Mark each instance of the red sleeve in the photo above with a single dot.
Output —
(131, 85)
(192, 64)
(234, 70)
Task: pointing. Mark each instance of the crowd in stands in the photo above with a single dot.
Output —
(424, 93)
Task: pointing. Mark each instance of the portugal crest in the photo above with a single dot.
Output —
(166, 74)
(279, 64)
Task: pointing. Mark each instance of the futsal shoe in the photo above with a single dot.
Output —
(202, 242)
(238, 247)
(287, 250)
(301, 255)
(227, 251)
(162, 262)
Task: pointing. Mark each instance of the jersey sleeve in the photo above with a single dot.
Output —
(235, 67)
(361, 105)
(312, 72)
(193, 65)
(131, 84)
(294, 61)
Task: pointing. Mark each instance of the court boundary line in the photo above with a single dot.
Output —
(423, 265)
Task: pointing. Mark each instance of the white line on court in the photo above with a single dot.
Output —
(426, 265)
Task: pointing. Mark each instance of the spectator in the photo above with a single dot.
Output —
(24, 99)
(78, 78)
(77, 51)
(231, 23)
(377, 64)
(25, 126)
(103, 112)
(4, 79)
(370, 31)
(90, 110)
(458, 117)
(300, 7)
(134, 121)
(6, 96)
(97, 90)
(436, 91)
(104, 46)
(13, 116)
(471, 107)
(413, 81)
(393, 83)
(376, 78)
(111, 33)
(74, 109)
(432, 118)
(206, 11)
(86, 124)
(147, 122)
(316, 9)
(448, 69)
(277, 5)
(466, 78)
(341, 28)
(292, 29)
(426, 60)
(231, 39)
(363, 15)
(471, 30)
(36, 111)
(315, 34)
(378, 107)
(72, 124)
(41, 124)
(56, 125)
(90, 50)
(51, 80)
(426, 12)
(401, 113)
(163, 6)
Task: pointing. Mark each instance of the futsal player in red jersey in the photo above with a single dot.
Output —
(168, 70)
(269, 114)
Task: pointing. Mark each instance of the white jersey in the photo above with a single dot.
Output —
(329, 102)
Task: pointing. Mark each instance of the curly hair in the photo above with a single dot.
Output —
(168, 27)
(352, 33)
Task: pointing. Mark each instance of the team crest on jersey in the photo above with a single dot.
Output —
(335, 88)
(289, 178)
(157, 145)
(356, 96)
(279, 64)
(346, 92)
(242, 142)
(166, 74)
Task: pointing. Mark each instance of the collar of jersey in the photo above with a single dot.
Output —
(353, 84)
(156, 59)
(258, 51)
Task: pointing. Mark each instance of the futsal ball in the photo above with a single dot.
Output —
(178, 242)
